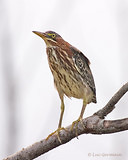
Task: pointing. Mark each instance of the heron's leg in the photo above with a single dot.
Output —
(80, 118)
(83, 109)
(60, 122)
(62, 112)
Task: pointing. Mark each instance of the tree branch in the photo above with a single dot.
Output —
(111, 104)
(94, 124)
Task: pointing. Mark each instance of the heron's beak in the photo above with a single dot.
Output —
(41, 34)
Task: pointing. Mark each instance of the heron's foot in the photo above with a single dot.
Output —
(75, 124)
(57, 134)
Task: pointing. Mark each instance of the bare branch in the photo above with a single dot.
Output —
(111, 104)
(94, 124)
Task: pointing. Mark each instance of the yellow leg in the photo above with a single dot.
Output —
(80, 118)
(62, 112)
(60, 122)
(83, 109)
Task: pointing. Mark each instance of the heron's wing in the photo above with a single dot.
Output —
(82, 66)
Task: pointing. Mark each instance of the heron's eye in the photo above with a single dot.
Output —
(53, 35)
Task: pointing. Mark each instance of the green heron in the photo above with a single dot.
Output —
(71, 72)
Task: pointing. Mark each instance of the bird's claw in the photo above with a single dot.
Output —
(57, 134)
(75, 123)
